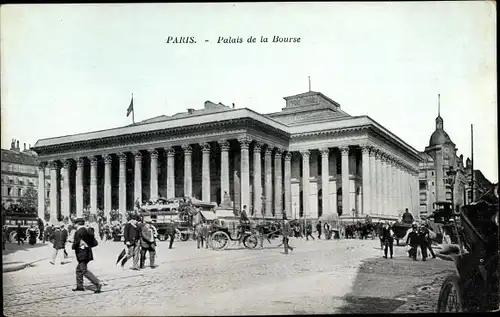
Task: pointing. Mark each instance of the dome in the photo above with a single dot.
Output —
(439, 137)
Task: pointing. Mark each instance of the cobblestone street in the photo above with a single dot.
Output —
(345, 276)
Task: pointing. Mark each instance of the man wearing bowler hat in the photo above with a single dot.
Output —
(132, 236)
(83, 243)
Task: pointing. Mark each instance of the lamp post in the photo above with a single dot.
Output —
(452, 174)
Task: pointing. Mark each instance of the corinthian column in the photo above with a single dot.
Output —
(188, 174)
(380, 197)
(65, 203)
(365, 165)
(153, 179)
(306, 196)
(93, 185)
(108, 161)
(288, 184)
(138, 176)
(41, 190)
(205, 171)
(278, 180)
(245, 172)
(54, 197)
(224, 174)
(390, 185)
(269, 182)
(122, 185)
(79, 186)
(373, 182)
(385, 188)
(257, 179)
(325, 181)
(170, 172)
(346, 208)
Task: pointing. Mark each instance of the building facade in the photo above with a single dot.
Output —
(310, 158)
(436, 183)
(19, 172)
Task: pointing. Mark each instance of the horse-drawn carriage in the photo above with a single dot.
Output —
(26, 220)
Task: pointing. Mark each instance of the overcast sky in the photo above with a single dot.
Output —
(72, 68)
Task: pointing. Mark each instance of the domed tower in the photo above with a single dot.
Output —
(440, 146)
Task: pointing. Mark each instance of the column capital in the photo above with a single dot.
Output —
(324, 151)
(123, 157)
(169, 151)
(257, 146)
(378, 154)
(288, 156)
(42, 165)
(278, 152)
(365, 149)
(153, 153)
(53, 165)
(344, 150)
(137, 155)
(187, 149)
(108, 159)
(205, 147)
(224, 145)
(93, 161)
(305, 154)
(67, 163)
(80, 162)
(244, 143)
(268, 151)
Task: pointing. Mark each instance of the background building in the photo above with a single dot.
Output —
(19, 172)
(310, 158)
(436, 183)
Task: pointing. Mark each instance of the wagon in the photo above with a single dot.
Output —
(400, 231)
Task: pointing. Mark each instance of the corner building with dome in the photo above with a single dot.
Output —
(311, 158)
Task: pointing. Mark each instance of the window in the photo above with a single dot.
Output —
(19, 192)
(432, 173)
(48, 194)
(432, 183)
(11, 181)
(9, 191)
(423, 197)
(423, 185)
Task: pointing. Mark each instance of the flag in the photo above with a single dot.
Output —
(131, 107)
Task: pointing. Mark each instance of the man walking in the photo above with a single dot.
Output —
(82, 244)
(171, 227)
(285, 231)
(318, 229)
(388, 239)
(413, 242)
(64, 238)
(148, 243)
(19, 235)
(57, 243)
(132, 235)
(309, 231)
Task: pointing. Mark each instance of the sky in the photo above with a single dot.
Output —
(69, 69)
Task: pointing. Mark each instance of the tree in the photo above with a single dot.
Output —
(29, 201)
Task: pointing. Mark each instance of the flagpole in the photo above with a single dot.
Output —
(133, 112)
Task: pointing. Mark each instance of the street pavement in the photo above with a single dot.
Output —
(335, 276)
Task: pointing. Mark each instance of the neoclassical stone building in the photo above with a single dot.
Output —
(311, 157)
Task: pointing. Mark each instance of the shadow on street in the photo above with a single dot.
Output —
(14, 247)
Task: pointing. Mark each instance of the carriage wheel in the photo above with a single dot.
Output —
(219, 240)
(178, 235)
(12, 236)
(184, 236)
(450, 299)
(250, 241)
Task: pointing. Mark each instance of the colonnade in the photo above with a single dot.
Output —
(389, 184)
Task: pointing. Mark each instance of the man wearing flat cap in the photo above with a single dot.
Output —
(83, 243)
(148, 242)
(132, 235)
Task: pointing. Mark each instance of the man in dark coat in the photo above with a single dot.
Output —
(413, 242)
(319, 228)
(20, 235)
(388, 239)
(64, 238)
(57, 242)
(132, 235)
(83, 243)
(171, 233)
